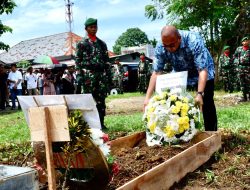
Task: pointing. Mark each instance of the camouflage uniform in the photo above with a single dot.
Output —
(118, 73)
(144, 75)
(226, 71)
(242, 59)
(94, 71)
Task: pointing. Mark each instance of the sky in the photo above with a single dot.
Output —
(38, 18)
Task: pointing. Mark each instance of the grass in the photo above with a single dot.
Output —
(125, 95)
(234, 117)
(128, 123)
(13, 127)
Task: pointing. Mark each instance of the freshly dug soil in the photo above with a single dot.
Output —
(135, 161)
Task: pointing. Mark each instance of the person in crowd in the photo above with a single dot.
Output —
(15, 79)
(48, 83)
(118, 74)
(58, 82)
(186, 51)
(3, 87)
(31, 79)
(143, 73)
(72, 73)
(226, 69)
(242, 60)
(79, 81)
(24, 82)
(40, 83)
(94, 69)
(67, 83)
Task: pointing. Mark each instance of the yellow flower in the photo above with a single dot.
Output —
(185, 100)
(169, 131)
(164, 95)
(163, 102)
(176, 109)
(186, 119)
(186, 126)
(185, 107)
(180, 120)
(178, 104)
(183, 113)
(157, 98)
(183, 120)
(181, 129)
(152, 127)
(151, 110)
(173, 98)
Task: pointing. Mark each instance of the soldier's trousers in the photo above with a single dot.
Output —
(245, 83)
(228, 82)
(101, 107)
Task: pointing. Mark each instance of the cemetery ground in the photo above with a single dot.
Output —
(229, 168)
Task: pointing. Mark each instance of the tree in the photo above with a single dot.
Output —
(23, 64)
(132, 37)
(6, 6)
(153, 42)
(218, 21)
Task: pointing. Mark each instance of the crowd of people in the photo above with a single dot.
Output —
(15, 82)
(234, 69)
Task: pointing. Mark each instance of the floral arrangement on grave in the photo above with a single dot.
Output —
(171, 117)
(79, 130)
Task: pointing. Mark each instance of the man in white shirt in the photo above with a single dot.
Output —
(15, 80)
(31, 79)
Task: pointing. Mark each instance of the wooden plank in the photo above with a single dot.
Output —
(166, 174)
(58, 122)
(126, 142)
(48, 149)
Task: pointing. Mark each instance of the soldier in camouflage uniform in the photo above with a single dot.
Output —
(143, 74)
(226, 69)
(94, 71)
(118, 74)
(242, 59)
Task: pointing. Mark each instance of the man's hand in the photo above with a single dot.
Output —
(199, 101)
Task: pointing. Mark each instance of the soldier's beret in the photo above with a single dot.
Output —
(245, 38)
(226, 47)
(90, 21)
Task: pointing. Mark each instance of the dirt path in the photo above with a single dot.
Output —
(125, 105)
(135, 104)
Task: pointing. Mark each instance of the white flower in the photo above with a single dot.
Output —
(97, 137)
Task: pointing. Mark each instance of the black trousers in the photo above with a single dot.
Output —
(2, 98)
(209, 110)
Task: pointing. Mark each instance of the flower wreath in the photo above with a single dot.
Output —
(171, 117)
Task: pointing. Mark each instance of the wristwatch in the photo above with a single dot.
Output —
(201, 93)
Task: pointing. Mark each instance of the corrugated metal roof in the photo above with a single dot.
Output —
(56, 45)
